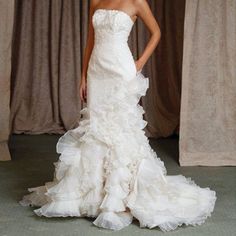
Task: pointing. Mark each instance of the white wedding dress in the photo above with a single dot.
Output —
(107, 169)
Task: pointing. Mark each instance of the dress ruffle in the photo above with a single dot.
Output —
(106, 173)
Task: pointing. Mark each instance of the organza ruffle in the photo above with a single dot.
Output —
(108, 170)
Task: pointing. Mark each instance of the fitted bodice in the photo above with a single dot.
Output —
(111, 26)
(111, 58)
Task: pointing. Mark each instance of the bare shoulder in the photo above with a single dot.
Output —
(141, 5)
(94, 3)
(140, 2)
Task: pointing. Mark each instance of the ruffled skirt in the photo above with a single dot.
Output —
(107, 170)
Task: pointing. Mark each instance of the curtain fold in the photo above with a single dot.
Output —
(48, 46)
(6, 29)
(49, 43)
(208, 113)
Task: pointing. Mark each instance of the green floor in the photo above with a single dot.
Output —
(31, 165)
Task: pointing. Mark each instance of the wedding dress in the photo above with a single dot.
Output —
(107, 169)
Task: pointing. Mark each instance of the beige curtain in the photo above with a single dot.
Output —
(6, 28)
(49, 39)
(208, 111)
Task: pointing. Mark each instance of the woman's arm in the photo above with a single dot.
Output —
(144, 12)
(87, 53)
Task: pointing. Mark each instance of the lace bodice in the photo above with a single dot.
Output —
(111, 26)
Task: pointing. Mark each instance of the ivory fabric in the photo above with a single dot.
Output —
(6, 28)
(208, 112)
(49, 42)
(107, 169)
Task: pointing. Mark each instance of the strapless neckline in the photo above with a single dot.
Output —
(115, 10)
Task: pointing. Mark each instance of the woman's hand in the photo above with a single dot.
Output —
(138, 65)
(83, 89)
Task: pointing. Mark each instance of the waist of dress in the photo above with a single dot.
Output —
(111, 39)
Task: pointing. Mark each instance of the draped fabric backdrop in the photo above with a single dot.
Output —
(47, 53)
(6, 26)
(49, 41)
(208, 112)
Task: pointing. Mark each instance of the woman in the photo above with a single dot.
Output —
(107, 168)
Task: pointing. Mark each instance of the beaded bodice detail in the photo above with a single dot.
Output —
(111, 25)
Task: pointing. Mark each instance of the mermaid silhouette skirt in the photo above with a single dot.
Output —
(106, 168)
